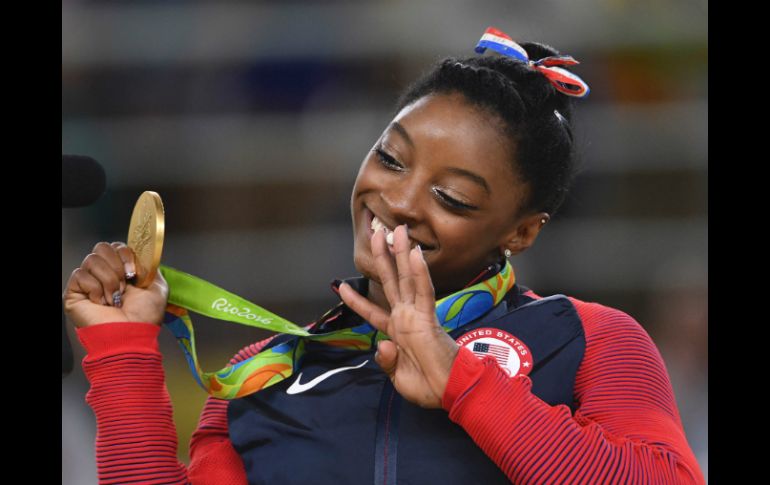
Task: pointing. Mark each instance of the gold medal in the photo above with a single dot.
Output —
(145, 237)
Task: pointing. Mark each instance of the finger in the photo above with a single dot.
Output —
(126, 255)
(385, 266)
(105, 274)
(387, 357)
(83, 283)
(405, 277)
(362, 306)
(111, 257)
(425, 294)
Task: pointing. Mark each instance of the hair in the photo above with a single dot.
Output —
(535, 116)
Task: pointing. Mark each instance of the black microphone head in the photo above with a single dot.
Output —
(82, 180)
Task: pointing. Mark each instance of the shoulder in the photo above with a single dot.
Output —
(618, 345)
(608, 328)
(621, 366)
(602, 321)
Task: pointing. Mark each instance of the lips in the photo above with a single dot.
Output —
(389, 228)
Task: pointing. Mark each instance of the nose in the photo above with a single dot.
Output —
(403, 200)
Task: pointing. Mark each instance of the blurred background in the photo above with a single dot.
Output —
(251, 120)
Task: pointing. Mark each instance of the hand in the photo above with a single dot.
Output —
(420, 354)
(88, 296)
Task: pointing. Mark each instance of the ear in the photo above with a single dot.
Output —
(524, 234)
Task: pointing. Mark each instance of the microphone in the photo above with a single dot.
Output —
(82, 181)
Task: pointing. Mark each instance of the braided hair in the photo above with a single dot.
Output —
(535, 116)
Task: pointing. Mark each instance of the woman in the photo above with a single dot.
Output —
(484, 381)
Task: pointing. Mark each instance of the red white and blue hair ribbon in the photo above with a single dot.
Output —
(563, 80)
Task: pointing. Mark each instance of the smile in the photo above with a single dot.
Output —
(376, 223)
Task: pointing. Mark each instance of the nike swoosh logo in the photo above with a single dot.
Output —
(296, 387)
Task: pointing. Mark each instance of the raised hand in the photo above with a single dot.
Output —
(419, 356)
(89, 295)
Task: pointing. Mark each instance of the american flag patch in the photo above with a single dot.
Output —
(510, 353)
(499, 352)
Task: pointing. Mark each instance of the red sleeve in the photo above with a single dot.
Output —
(626, 428)
(136, 439)
(135, 435)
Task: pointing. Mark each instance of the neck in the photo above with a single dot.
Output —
(376, 294)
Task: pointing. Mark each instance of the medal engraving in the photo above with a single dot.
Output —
(145, 237)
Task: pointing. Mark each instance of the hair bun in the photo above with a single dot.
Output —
(536, 51)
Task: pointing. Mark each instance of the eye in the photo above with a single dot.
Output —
(449, 201)
(389, 162)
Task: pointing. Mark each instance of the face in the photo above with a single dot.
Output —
(443, 169)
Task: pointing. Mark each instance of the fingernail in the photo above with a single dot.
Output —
(116, 302)
(417, 249)
(130, 270)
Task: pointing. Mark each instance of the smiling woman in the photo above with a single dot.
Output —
(437, 365)
(447, 174)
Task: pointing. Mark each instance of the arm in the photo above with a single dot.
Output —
(135, 435)
(626, 430)
(136, 438)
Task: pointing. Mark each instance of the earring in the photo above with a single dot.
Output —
(507, 253)
(542, 221)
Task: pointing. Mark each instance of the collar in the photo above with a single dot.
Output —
(341, 315)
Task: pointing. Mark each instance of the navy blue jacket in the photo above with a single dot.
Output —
(353, 428)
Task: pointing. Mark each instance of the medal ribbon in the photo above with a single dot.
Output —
(189, 293)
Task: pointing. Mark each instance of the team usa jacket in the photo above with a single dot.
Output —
(543, 390)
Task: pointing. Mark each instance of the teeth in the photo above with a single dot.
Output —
(377, 224)
(389, 235)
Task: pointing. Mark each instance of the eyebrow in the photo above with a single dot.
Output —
(402, 131)
(398, 127)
